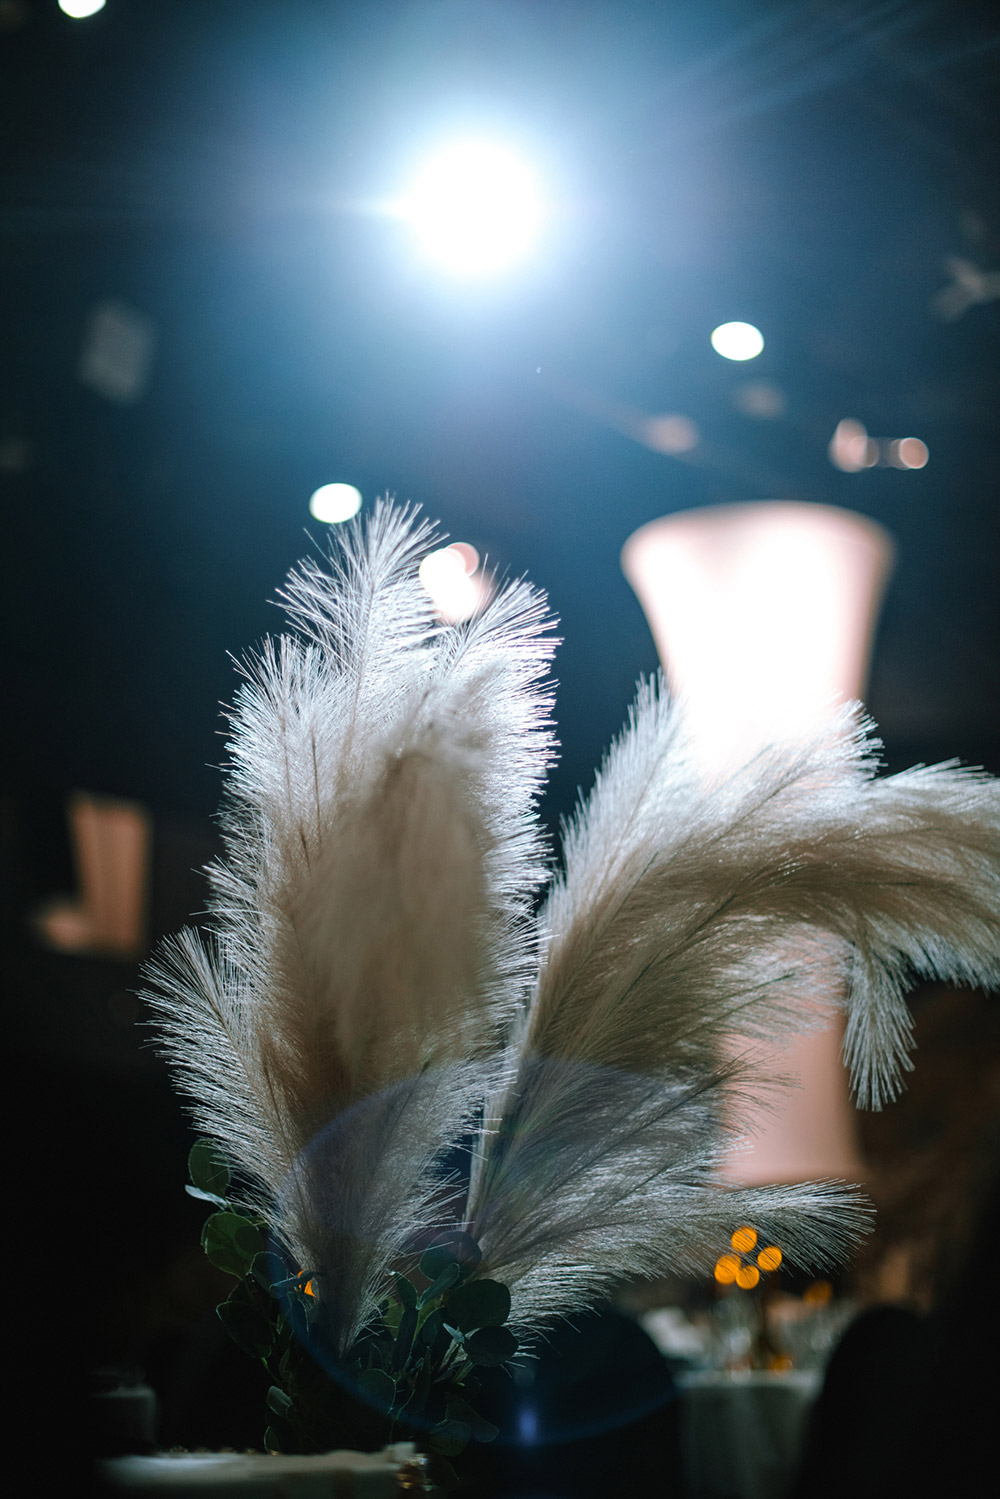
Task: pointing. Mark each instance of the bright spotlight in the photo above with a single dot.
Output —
(475, 208)
(334, 503)
(737, 340)
(80, 9)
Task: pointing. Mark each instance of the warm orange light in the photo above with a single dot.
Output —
(770, 1258)
(308, 1288)
(727, 1267)
(747, 1276)
(818, 1294)
(744, 1239)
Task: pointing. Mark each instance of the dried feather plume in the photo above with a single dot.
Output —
(374, 987)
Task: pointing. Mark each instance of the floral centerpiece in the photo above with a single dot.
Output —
(435, 1117)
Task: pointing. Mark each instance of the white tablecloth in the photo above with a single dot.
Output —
(741, 1433)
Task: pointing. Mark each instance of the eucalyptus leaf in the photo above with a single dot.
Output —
(280, 1403)
(220, 1202)
(430, 1328)
(281, 1436)
(450, 1438)
(271, 1271)
(406, 1291)
(231, 1241)
(247, 1326)
(208, 1169)
(301, 1311)
(450, 1276)
(461, 1410)
(478, 1303)
(491, 1346)
(455, 1247)
(377, 1388)
(404, 1338)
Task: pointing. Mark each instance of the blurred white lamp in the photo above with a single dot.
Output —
(763, 615)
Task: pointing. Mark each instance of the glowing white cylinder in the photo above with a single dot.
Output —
(763, 615)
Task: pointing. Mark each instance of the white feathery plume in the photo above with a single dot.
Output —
(373, 981)
(333, 1030)
(687, 914)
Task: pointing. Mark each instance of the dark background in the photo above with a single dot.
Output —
(806, 166)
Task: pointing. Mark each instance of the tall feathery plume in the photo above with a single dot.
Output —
(374, 988)
(335, 1029)
(688, 915)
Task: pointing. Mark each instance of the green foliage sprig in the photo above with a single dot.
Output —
(412, 1374)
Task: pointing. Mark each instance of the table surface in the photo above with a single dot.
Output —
(741, 1433)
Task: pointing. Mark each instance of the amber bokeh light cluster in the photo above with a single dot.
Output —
(743, 1267)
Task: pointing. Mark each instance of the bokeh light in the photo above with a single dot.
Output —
(334, 503)
(726, 1267)
(760, 399)
(851, 449)
(79, 10)
(818, 1293)
(770, 1258)
(744, 1240)
(909, 452)
(475, 208)
(456, 589)
(671, 433)
(747, 1277)
(737, 340)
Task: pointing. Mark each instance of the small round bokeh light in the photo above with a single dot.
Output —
(737, 340)
(333, 503)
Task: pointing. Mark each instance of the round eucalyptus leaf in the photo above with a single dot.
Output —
(280, 1403)
(247, 1326)
(454, 1247)
(377, 1388)
(450, 1276)
(491, 1346)
(450, 1438)
(430, 1327)
(269, 1270)
(461, 1410)
(406, 1291)
(281, 1436)
(208, 1168)
(231, 1242)
(477, 1303)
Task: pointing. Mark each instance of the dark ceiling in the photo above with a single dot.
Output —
(810, 167)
